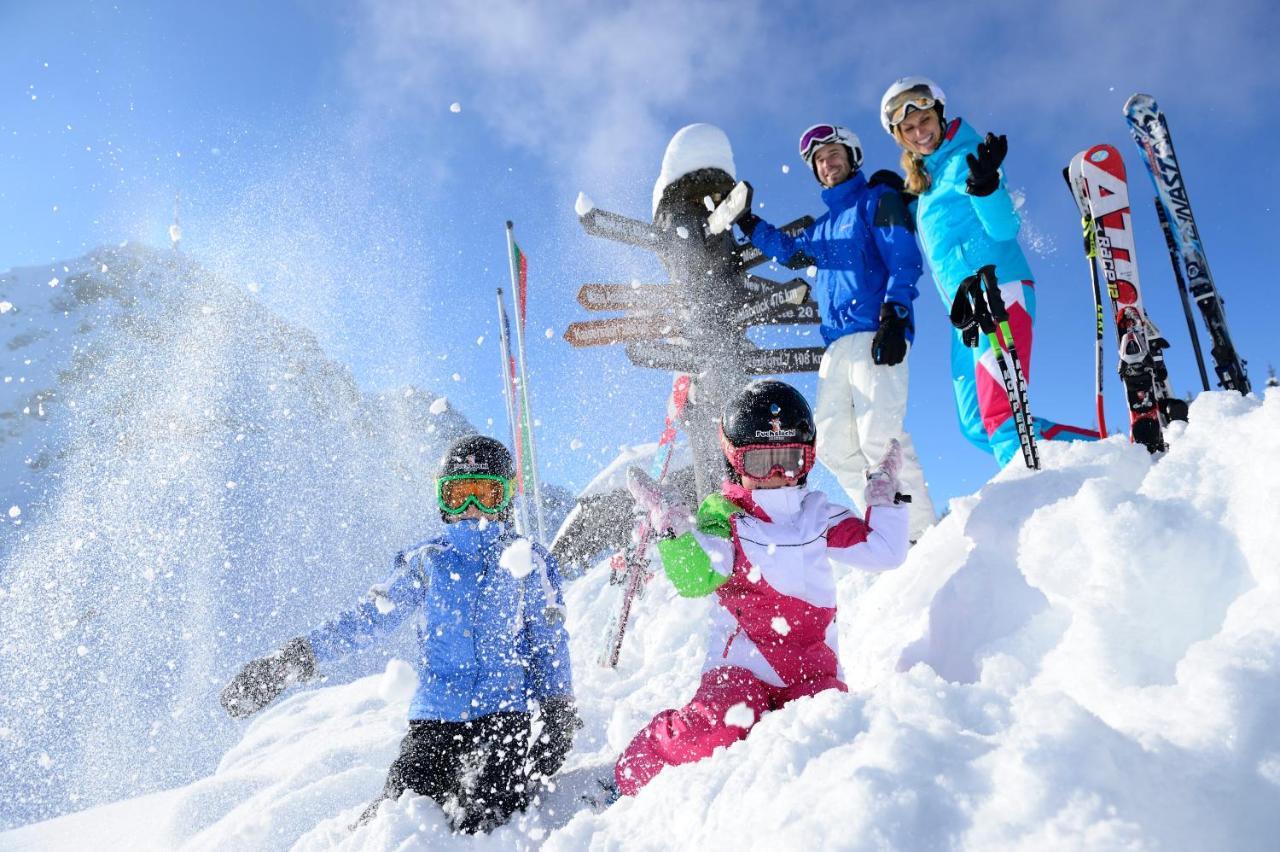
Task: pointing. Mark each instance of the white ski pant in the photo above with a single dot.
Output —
(861, 406)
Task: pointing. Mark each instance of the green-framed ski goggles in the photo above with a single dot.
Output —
(490, 494)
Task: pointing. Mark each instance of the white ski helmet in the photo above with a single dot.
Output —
(933, 93)
(823, 134)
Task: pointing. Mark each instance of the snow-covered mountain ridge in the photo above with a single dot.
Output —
(1086, 657)
(186, 479)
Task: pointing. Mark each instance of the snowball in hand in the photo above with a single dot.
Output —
(399, 682)
(518, 558)
(740, 716)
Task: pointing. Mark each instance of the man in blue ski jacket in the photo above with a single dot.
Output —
(490, 628)
(868, 264)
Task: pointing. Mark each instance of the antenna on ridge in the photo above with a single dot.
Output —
(175, 230)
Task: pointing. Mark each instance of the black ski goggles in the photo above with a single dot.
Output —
(760, 461)
(489, 494)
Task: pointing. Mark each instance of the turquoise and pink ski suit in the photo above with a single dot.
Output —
(766, 556)
(960, 233)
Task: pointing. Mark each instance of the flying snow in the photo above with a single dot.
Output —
(518, 558)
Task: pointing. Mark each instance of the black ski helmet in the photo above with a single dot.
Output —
(768, 412)
(477, 454)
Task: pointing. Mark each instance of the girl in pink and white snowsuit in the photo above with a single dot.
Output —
(763, 547)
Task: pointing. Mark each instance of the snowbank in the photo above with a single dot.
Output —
(1083, 657)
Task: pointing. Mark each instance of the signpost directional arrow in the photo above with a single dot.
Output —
(776, 303)
(663, 356)
(763, 362)
(619, 228)
(621, 329)
(626, 297)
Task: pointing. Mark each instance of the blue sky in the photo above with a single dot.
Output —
(320, 164)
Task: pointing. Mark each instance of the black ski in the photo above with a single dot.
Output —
(1151, 133)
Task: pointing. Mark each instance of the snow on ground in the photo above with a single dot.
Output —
(1080, 658)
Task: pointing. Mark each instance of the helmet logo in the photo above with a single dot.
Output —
(470, 464)
(776, 431)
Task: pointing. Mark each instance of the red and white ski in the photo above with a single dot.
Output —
(630, 568)
(1100, 186)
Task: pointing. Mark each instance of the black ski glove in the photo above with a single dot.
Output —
(962, 315)
(984, 169)
(262, 680)
(889, 346)
(559, 720)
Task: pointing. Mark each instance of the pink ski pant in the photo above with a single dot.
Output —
(700, 727)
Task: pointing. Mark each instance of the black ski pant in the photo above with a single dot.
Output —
(474, 770)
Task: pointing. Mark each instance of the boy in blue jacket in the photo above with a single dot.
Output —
(492, 643)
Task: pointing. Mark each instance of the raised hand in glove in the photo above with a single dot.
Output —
(882, 480)
(667, 517)
(262, 680)
(559, 721)
(984, 169)
(747, 223)
(889, 346)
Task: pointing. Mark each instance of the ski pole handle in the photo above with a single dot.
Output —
(995, 301)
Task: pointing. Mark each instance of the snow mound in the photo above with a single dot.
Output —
(695, 146)
(1087, 656)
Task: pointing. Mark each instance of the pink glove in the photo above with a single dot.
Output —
(667, 517)
(882, 480)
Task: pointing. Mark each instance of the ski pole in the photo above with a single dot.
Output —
(970, 314)
(1000, 317)
(1182, 290)
(1091, 255)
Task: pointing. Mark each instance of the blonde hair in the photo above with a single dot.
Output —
(917, 176)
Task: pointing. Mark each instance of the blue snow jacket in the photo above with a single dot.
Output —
(489, 641)
(865, 253)
(960, 232)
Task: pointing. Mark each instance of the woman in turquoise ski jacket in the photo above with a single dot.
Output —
(965, 219)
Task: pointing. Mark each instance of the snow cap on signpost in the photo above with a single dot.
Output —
(694, 147)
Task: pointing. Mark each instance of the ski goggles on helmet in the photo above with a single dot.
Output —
(760, 461)
(814, 138)
(489, 494)
(920, 101)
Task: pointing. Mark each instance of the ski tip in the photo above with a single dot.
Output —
(1140, 101)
